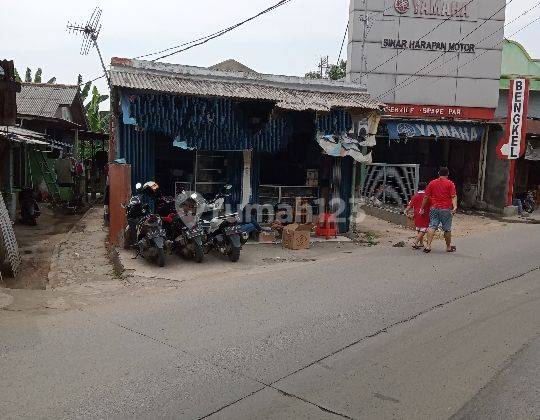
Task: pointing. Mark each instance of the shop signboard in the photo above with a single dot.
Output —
(410, 129)
(430, 52)
(512, 146)
(440, 111)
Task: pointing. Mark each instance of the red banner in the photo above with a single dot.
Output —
(438, 112)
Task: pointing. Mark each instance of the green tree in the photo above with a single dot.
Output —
(97, 121)
(36, 79)
(333, 72)
(313, 75)
(339, 71)
(85, 89)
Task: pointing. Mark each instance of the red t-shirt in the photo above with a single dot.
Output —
(441, 191)
(420, 220)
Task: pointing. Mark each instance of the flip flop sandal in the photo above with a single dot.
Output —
(416, 247)
(452, 249)
(427, 250)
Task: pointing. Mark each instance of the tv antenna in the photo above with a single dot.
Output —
(90, 33)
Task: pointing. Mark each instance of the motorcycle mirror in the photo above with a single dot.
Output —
(138, 186)
(227, 187)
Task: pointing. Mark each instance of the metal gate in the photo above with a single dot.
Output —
(390, 185)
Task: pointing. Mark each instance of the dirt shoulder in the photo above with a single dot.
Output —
(81, 272)
(381, 232)
(36, 245)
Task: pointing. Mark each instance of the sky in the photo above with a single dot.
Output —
(289, 40)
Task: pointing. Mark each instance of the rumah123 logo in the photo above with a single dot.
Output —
(402, 6)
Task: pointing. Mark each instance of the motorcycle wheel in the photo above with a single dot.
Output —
(198, 254)
(528, 207)
(234, 254)
(129, 238)
(160, 257)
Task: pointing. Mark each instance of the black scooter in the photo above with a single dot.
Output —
(184, 230)
(144, 231)
(224, 232)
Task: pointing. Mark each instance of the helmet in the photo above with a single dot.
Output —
(150, 188)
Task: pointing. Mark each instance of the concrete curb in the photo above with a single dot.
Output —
(116, 261)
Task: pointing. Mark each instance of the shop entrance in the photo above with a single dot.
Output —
(202, 171)
(461, 157)
(298, 175)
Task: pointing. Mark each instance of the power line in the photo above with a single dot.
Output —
(395, 88)
(485, 51)
(199, 41)
(423, 36)
(202, 40)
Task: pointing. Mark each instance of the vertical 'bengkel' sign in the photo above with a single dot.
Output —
(512, 145)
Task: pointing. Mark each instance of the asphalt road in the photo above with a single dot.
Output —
(379, 333)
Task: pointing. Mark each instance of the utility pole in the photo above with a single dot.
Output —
(90, 33)
(323, 65)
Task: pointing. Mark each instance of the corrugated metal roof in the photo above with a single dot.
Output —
(289, 92)
(22, 135)
(43, 100)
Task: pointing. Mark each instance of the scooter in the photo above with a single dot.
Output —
(29, 207)
(224, 232)
(181, 220)
(529, 202)
(144, 231)
(151, 239)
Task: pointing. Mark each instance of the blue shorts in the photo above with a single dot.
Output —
(442, 218)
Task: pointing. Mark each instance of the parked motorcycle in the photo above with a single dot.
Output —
(144, 231)
(529, 202)
(135, 211)
(224, 232)
(29, 207)
(151, 239)
(183, 224)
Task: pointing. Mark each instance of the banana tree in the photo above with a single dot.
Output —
(98, 121)
(36, 79)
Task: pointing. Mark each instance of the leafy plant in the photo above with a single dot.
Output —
(36, 79)
(333, 72)
(96, 119)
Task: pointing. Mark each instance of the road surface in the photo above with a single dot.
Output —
(378, 333)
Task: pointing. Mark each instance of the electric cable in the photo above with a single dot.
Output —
(204, 40)
(421, 38)
(481, 54)
(416, 73)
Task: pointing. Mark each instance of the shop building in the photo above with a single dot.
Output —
(198, 128)
(438, 71)
(501, 185)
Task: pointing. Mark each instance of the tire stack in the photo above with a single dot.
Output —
(10, 259)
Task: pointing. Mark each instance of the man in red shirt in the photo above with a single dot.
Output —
(441, 193)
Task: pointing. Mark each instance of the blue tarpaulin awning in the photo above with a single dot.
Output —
(410, 129)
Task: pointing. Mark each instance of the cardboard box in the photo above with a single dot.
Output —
(297, 236)
(266, 237)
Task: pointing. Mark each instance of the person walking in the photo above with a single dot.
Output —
(441, 193)
(421, 221)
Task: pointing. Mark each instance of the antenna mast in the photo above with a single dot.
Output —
(90, 33)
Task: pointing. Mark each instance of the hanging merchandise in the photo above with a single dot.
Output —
(366, 129)
(343, 145)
